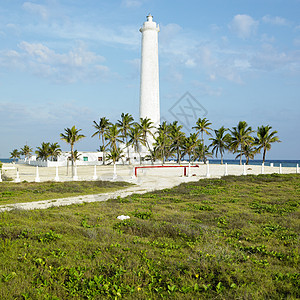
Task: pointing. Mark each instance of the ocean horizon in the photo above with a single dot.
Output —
(276, 162)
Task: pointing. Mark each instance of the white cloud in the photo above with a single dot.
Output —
(184, 49)
(242, 64)
(267, 39)
(274, 20)
(115, 35)
(36, 9)
(296, 42)
(42, 114)
(269, 59)
(132, 3)
(243, 25)
(207, 89)
(77, 64)
(190, 63)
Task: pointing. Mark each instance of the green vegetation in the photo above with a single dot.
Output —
(29, 191)
(229, 238)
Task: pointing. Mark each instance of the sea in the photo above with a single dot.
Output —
(276, 163)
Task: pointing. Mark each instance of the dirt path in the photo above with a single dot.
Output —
(140, 187)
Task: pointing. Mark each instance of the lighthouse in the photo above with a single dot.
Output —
(149, 86)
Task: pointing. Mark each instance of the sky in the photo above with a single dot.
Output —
(70, 62)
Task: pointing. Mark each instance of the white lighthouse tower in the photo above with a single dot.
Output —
(149, 89)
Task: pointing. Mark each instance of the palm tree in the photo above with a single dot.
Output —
(153, 155)
(54, 151)
(43, 152)
(100, 131)
(146, 126)
(240, 137)
(162, 141)
(220, 142)
(249, 151)
(76, 156)
(202, 126)
(26, 151)
(125, 124)
(177, 137)
(115, 154)
(136, 139)
(265, 138)
(189, 145)
(199, 150)
(15, 154)
(71, 136)
(112, 134)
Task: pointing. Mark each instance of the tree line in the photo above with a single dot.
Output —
(170, 142)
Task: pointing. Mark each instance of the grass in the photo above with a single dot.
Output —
(11, 193)
(229, 238)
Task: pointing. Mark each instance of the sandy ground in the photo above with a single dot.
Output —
(147, 179)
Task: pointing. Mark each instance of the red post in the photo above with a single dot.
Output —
(148, 167)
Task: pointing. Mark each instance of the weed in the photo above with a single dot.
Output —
(142, 214)
(48, 237)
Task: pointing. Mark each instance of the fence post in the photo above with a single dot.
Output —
(18, 177)
(207, 171)
(37, 176)
(95, 177)
(244, 171)
(115, 172)
(280, 169)
(75, 177)
(56, 174)
(226, 170)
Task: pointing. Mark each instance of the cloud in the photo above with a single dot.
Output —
(181, 48)
(132, 3)
(207, 90)
(44, 114)
(274, 20)
(36, 9)
(267, 39)
(190, 63)
(243, 26)
(296, 42)
(100, 34)
(77, 64)
(269, 59)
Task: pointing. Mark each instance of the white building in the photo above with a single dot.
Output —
(149, 85)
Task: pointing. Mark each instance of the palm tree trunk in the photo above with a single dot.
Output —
(203, 154)
(221, 158)
(103, 149)
(72, 157)
(241, 156)
(264, 155)
(128, 157)
(149, 149)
